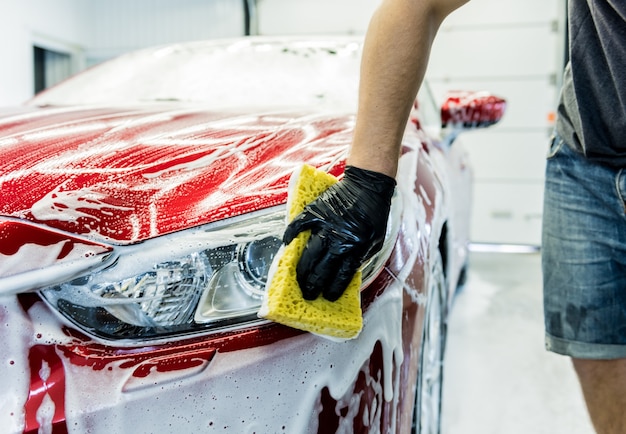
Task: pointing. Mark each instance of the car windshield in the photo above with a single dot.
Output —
(222, 74)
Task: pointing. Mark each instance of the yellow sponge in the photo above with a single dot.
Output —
(283, 301)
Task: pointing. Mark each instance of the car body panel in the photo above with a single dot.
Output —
(108, 178)
(126, 175)
(250, 364)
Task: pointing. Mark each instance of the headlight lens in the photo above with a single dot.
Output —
(181, 283)
(188, 282)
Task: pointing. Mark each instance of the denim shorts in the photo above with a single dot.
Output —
(584, 256)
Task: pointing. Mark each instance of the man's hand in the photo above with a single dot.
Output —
(348, 224)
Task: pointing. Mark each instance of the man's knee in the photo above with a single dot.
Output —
(599, 370)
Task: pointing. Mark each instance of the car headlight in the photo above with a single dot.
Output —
(204, 279)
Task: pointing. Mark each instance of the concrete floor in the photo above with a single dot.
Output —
(498, 378)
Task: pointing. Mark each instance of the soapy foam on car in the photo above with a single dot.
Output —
(93, 206)
(254, 379)
(304, 361)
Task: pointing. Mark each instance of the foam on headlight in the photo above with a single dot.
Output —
(177, 284)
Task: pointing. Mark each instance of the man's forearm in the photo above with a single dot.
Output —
(395, 56)
(348, 221)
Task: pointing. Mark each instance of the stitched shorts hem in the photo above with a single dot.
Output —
(584, 350)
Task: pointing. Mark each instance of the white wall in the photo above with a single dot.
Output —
(92, 31)
(514, 49)
(56, 25)
(118, 26)
(297, 17)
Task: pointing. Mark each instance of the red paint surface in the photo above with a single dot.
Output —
(136, 173)
(14, 234)
(172, 356)
(369, 386)
(474, 109)
(143, 361)
(52, 386)
(156, 171)
(144, 167)
(199, 351)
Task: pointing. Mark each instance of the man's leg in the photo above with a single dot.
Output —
(584, 277)
(604, 386)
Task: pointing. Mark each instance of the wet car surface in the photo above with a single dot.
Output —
(142, 204)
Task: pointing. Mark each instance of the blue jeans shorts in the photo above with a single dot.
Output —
(584, 256)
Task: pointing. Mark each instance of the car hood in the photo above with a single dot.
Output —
(122, 175)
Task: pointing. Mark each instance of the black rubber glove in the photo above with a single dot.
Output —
(348, 223)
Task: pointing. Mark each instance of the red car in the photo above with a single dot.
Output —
(142, 203)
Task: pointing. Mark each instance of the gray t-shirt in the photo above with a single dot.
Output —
(592, 109)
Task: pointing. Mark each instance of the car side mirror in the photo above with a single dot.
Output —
(466, 110)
